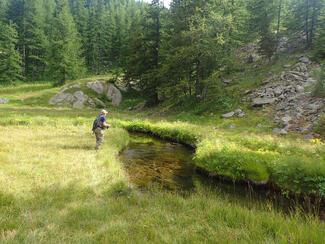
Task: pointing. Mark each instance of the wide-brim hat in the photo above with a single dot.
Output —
(104, 111)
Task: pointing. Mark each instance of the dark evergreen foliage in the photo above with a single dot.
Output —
(176, 53)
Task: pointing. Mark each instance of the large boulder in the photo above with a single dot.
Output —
(4, 100)
(62, 98)
(114, 94)
(97, 86)
(79, 96)
(80, 100)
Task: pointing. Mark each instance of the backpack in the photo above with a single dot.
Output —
(96, 123)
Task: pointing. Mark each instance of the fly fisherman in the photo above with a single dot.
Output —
(99, 126)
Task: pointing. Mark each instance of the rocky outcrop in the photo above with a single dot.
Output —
(114, 95)
(79, 96)
(4, 100)
(295, 108)
(97, 86)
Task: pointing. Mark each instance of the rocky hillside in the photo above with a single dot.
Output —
(289, 94)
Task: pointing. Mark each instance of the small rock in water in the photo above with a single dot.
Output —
(4, 100)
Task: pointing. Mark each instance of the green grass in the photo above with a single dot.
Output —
(54, 188)
(292, 164)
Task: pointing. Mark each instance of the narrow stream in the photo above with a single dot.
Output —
(156, 164)
(151, 162)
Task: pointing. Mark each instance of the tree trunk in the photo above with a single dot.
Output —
(306, 22)
(279, 21)
(198, 88)
(313, 21)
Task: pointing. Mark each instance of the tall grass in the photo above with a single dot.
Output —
(55, 188)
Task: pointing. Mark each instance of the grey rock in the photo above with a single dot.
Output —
(114, 95)
(97, 86)
(4, 100)
(259, 126)
(287, 66)
(279, 131)
(301, 67)
(81, 98)
(314, 107)
(62, 98)
(258, 102)
(238, 111)
(309, 136)
(278, 91)
(304, 60)
(228, 115)
(91, 103)
(226, 81)
(286, 119)
(232, 126)
(247, 92)
(300, 89)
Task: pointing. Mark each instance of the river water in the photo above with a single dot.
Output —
(154, 164)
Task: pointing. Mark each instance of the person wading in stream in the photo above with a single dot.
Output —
(99, 127)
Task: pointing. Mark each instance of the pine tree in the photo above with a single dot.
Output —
(200, 31)
(35, 40)
(144, 61)
(95, 43)
(65, 61)
(3, 10)
(10, 60)
(319, 48)
(263, 13)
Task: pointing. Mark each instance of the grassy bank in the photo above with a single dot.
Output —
(54, 188)
(292, 164)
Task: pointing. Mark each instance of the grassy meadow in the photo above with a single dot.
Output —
(55, 188)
